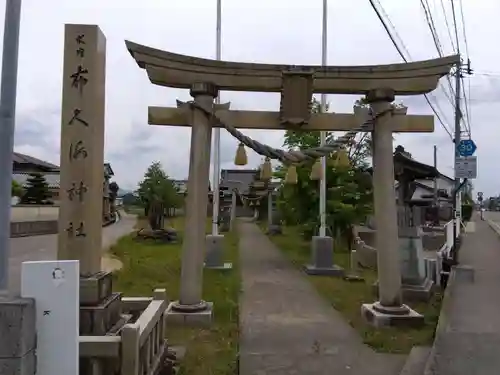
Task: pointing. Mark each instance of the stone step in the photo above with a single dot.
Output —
(416, 361)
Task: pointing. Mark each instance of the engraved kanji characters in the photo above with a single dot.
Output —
(77, 232)
(79, 78)
(76, 117)
(77, 151)
(80, 51)
(77, 191)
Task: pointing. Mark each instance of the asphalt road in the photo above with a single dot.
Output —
(45, 248)
(492, 215)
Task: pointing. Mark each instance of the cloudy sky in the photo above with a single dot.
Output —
(270, 31)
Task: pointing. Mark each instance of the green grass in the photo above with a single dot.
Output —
(347, 297)
(147, 266)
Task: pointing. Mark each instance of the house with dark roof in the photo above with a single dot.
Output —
(23, 165)
(27, 164)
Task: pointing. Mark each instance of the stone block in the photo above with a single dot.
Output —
(431, 269)
(274, 229)
(215, 253)
(418, 292)
(412, 258)
(380, 319)
(25, 365)
(95, 288)
(99, 319)
(322, 258)
(17, 327)
(413, 292)
(190, 319)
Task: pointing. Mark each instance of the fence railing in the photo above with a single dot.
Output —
(139, 348)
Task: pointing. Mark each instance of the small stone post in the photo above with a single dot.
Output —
(233, 210)
(190, 305)
(269, 209)
(273, 227)
(389, 308)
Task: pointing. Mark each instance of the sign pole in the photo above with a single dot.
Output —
(216, 159)
(456, 141)
(322, 186)
(8, 93)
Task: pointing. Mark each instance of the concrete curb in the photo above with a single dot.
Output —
(494, 226)
(458, 274)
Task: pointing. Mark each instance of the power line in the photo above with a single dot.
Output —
(455, 25)
(447, 25)
(374, 7)
(467, 53)
(437, 43)
(463, 28)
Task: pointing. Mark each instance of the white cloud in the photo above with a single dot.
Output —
(259, 31)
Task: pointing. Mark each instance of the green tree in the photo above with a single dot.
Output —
(37, 191)
(349, 198)
(16, 189)
(157, 187)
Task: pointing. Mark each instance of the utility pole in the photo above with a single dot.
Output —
(456, 141)
(457, 209)
(8, 93)
(435, 200)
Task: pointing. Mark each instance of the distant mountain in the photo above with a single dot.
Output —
(122, 192)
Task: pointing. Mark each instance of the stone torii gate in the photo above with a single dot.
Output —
(204, 78)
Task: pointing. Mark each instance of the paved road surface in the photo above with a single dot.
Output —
(44, 248)
(468, 340)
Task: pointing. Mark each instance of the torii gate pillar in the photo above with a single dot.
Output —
(191, 309)
(389, 310)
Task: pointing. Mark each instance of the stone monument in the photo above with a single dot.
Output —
(82, 158)
(204, 78)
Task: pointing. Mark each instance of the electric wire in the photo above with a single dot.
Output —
(437, 43)
(447, 25)
(391, 36)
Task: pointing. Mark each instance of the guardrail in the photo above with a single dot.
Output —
(445, 254)
(138, 348)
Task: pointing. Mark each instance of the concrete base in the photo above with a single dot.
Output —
(191, 319)
(274, 229)
(413, 292)
(97, 320)
(322, 258)
(17, 336)
(215, 253)
(405, 317)
(323, 271)
(418, 292)
(354, 278)
(222, 267)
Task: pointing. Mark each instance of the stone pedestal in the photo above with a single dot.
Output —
(215, 253)
(415, 284)
(196, 317)
(17, 336)
(322, 258)
(100, 308)
(401, 316)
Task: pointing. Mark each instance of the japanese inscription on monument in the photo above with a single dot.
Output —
(82, 147)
